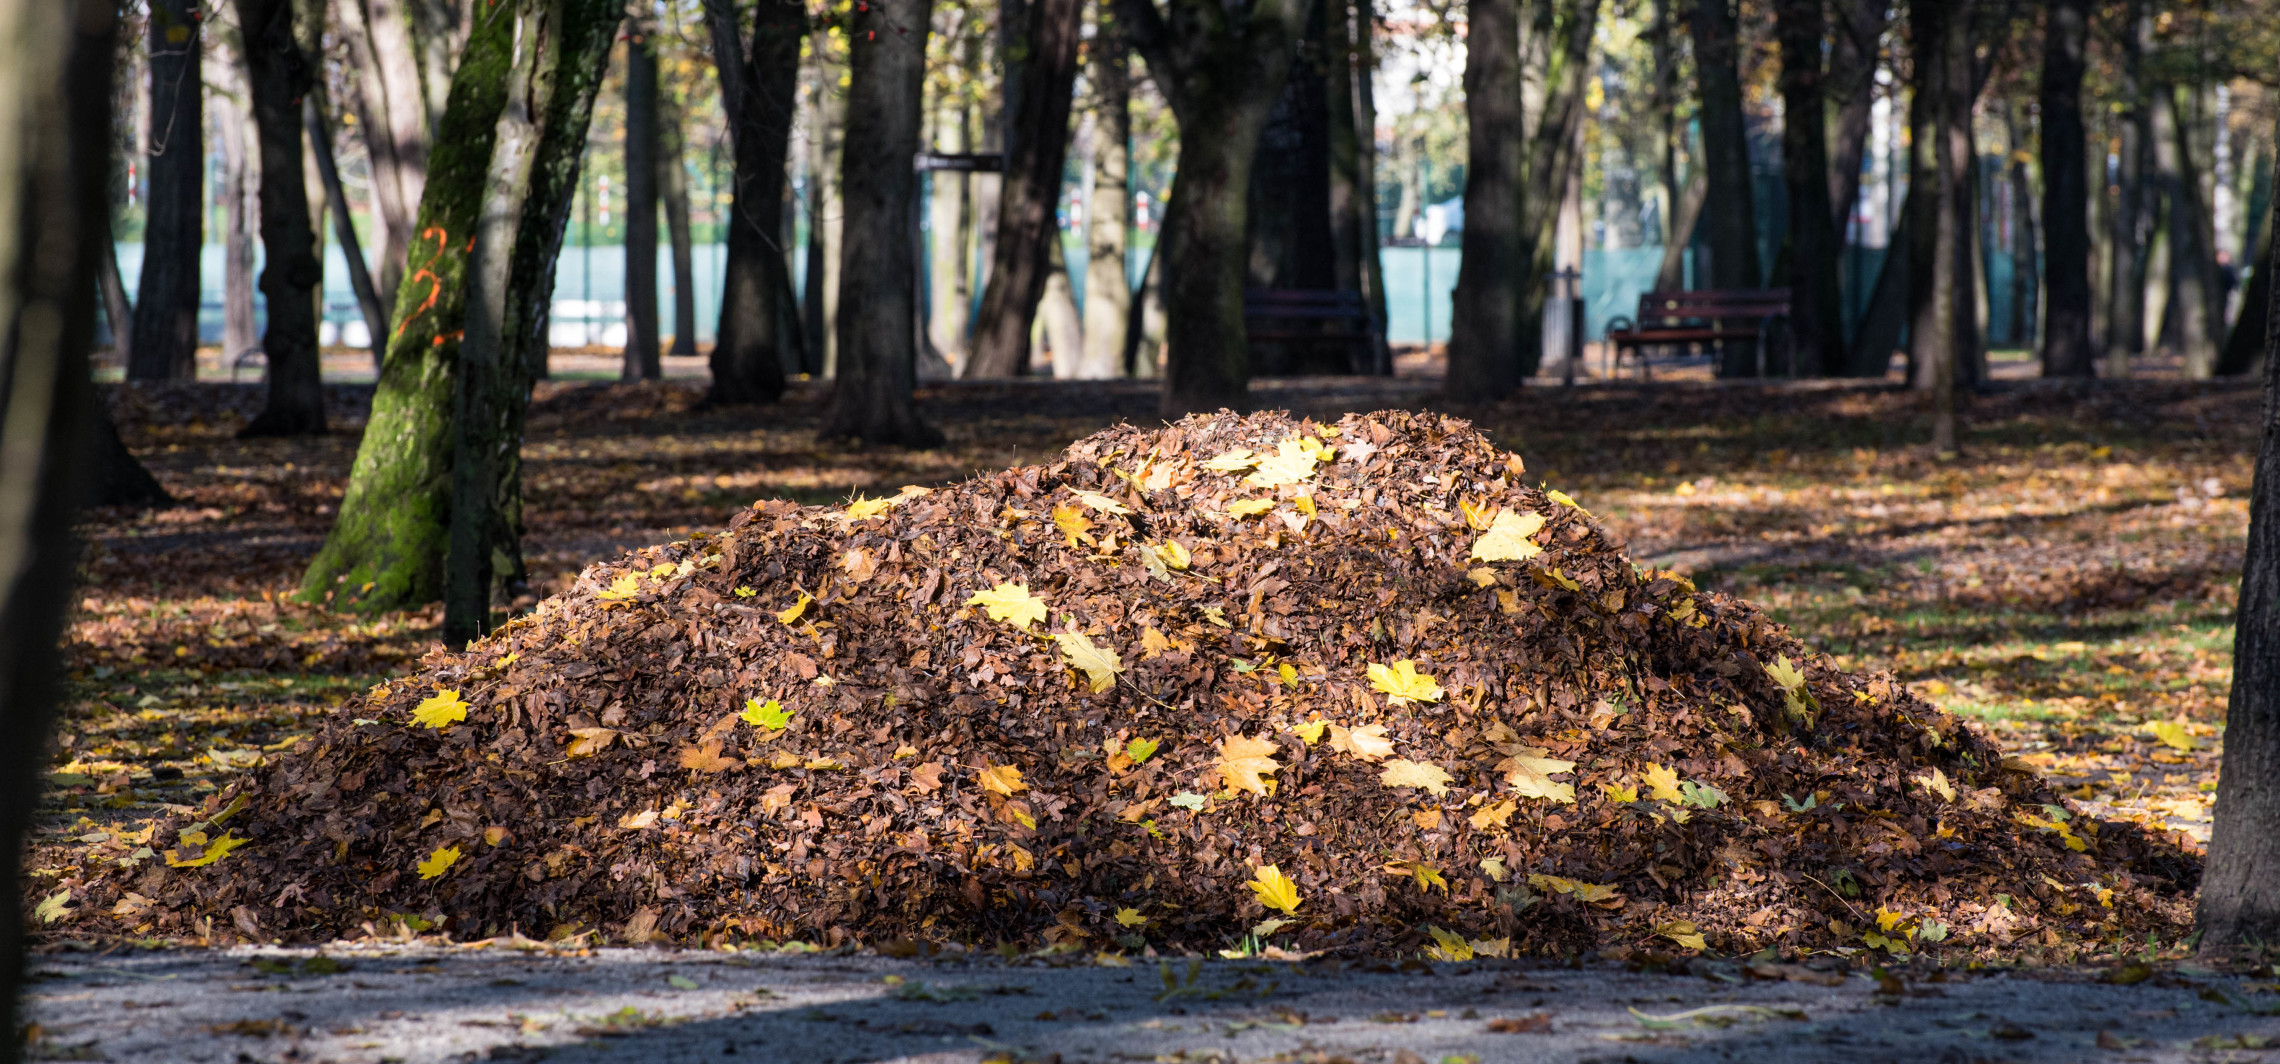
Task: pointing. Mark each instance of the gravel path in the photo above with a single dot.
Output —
(370, 1005)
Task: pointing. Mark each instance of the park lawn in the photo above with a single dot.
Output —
(2069, 583)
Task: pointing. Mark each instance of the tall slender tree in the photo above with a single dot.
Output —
(1486, 318)
(1037, 126)
(1816, 310)
(1108, 215)
(278, 77)
(1849, 84)
(1220, 69)
(166, 298)
(673, 191)
(759, 81)
(878, 348)
(1725, 158)
(643, 346)
(2066, 349)
(384, 39)
(2132, 215)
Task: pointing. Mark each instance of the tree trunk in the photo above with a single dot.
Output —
(1662, 114)
(1144, 338)
(759, 89)
(166, 298)
(1039, 130)
(2066, 350)
(1671, 275)
(1221, 76)
(2239, 905)
(368, 300)
(2200, 299)
(1816, 309)
(2125, 308)
(1725, 158)
(119, 311)
(643, 347)
(1942, 31)
(1364, 69)
(1850, 80)
(1486, 317)
(240, 333)
(950, 221)
(278, 76)
(2244, 351)
(1347, 192)
(55, 103)
(387, 545)
(1108, 217)
(1290, 209)
(814, 316)
(878, 348)
(392, 112)
(1058, 319)
(673, 187)
(1562, 33)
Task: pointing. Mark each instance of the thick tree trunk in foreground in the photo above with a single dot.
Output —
(166, 298)
(643, 345)
(1816, 309)
(278, 76)
(2239, 906)
(759, 82)
(1221, 75)
(1039, 130)
(878, 346)
(386, 548)
(538, 142)
(1485, 321)
(673, 191)
(2066, 350)
(1108, 217)
(1725, 155)
(55, 103)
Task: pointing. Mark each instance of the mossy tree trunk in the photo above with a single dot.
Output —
(278, 76)
(759, 92)
(386, 548)
(1221, 72)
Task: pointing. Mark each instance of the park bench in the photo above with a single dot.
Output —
(1709, 316)
(1308, 315)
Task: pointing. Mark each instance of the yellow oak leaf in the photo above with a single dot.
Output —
(1010, 603)
(215, 849)
(1291, 463)
(1003, 779)
(792, 613)
(1507, 538)
(439, 862)
(1102, 503)
(1073, 523)
(1530, 770)
(1099, 664)
(622, 589)
(1402, 683)
(1130, 917)
(707, 758)
(1662, 784)
(1242, 761)
(1274, 889)
(1250, 507)
(1367, 742)
(440, 710)
(1403, 773)
(1494, 816)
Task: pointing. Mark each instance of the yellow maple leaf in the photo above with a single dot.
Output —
(1243, 761)
(1291, 463)
(1494, 816)
(1102, 503)
(1424, 875)
(792, 613)
(1130, 917)
(862, 509)
(623, 588)
(1662, 784)
(1618, 793)
(1250, 507)
(215, 849)
(1591, 893)
(1448, 946)
(1274, 889)
(2171, 733)
(1937, 783)
(1404, 773)
(586, 742)
(1073, 523)
(770, 714)
(1507, 538)
(1234, 461)
(1682, 932)
(439, 862)
(1367, 742)
(1010, 603)
(1311, 731)
(1530, 770)
(1003, 779)
(1173, 554)
(1402, 683)
(440, 710)
(1099, 664)
(707, 758)
(1477, 514)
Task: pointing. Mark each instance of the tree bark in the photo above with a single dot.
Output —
(1108, 217)
(759, 83)
(1562, 39)
(1486, 317)
(878, 348)
(2200, 302)
(2026, 284)
(1058, 319)
(2125, 306)
(166, 297)
(118, 310)
(234, 188)
(278, 76)
(1365, 207)
(1347, 191)
(2245, 345)
(1725, 156)
(1221, 75)
(2239, 905)
(643, 346)
(2066, 350)
(673, 189)
(393, 116)
(55, 97)
(1816, 310)
(368, 300)
(1942, 33)
(1144, 339)
(1039, 131)
(950, 222)
(1850, 80)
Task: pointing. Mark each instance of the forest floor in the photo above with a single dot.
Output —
(2069, 582)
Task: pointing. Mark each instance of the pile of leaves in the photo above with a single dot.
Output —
(1349, 685)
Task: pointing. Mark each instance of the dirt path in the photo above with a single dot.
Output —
(378, 1004)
